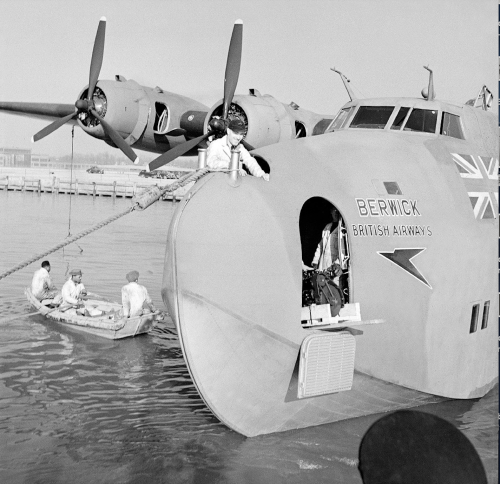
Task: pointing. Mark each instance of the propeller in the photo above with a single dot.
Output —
(87, 105)
(216, 125)
(179, 150)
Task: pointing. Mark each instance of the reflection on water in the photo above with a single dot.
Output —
(77, 408)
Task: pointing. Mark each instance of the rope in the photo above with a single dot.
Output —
(190, 177)
(156, 193)
(71, 180)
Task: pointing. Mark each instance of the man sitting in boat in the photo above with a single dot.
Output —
(73, 293)
(135, 298)
(41, 285)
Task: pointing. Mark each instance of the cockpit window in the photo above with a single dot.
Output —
(340, 119)
(450, 126)
(422, 120)
(372, 117)
(399, 119)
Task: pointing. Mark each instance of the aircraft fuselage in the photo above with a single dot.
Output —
(418, 196)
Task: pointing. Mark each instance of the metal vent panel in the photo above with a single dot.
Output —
(326, 364)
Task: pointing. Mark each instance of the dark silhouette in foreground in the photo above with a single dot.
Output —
(414, 447)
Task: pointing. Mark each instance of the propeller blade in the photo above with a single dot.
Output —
(116, 138)
(97, 55)
(179, 150)
(232, 66)
(53, 126)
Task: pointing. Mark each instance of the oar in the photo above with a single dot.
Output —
(6, 320)
(93, 295)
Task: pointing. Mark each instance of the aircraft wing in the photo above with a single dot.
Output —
(46, 111)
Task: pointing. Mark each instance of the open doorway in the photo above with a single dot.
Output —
(325, 259)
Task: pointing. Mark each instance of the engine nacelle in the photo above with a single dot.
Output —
(268, 121)
(123, 104)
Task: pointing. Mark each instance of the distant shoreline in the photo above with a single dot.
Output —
(116, 181)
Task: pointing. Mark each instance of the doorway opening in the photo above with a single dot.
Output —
(325, 260)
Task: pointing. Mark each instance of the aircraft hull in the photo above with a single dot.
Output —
(232, 282)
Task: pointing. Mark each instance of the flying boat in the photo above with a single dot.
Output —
(415, 181)
(413, 317)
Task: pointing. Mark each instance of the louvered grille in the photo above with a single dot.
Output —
(326, 364)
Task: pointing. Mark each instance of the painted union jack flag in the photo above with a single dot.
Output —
(474, 167)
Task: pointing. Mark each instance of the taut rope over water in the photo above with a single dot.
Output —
(140, 203)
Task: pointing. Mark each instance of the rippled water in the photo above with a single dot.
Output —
(77, 408)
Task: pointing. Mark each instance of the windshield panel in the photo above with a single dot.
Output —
(399, 119)
(372, 117)
(423, 120)
(450, 126)
(340, 120)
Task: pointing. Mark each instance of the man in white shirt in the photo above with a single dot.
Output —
(219, 151)
(73, 290)
(41, 285)
(135, 298)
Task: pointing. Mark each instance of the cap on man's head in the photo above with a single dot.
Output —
(75, 272)
(132, 276)
(236, 125)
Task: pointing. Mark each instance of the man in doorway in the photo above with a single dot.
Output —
(327, 252)
(219, 151)
(41, 284)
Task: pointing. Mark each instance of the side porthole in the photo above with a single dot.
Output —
(486, 313)
(300, 130)
(393, 188)
(474, 318)
(161, 118)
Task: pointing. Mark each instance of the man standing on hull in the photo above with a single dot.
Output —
(219, 151)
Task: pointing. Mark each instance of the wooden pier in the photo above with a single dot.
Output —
(56, 185)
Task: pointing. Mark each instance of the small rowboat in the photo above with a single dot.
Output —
(103, 324)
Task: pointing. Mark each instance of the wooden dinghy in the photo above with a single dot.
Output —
(103, 325)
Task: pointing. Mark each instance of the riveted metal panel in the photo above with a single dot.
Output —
(326, 364)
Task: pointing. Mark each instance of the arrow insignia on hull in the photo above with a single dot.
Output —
(402, 258)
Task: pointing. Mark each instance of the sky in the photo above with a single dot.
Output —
(289, 47)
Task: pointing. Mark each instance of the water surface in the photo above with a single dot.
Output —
(77, 408)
